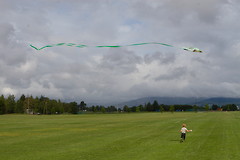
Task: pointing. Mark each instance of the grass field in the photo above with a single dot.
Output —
(142, 136)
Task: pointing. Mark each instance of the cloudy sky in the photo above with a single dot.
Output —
(106, 75)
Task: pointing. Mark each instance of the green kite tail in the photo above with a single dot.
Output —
(114, 46)
(34, 47)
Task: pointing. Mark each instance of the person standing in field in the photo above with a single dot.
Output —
(183, 131)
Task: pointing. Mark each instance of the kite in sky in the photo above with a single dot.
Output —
(115, 46)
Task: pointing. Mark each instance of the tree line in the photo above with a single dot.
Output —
(45, 105)
(151, 107)
(156, 107)
(37, 105)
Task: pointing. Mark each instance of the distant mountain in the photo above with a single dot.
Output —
(182, 101)
(220, 101)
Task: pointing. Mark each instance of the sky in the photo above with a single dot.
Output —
(112, 75)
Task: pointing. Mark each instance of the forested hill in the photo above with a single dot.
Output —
(182, 100)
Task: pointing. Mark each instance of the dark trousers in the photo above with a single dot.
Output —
(183, 136)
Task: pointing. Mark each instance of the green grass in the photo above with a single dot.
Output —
(143, 136)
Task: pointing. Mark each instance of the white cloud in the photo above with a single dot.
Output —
(118, 74)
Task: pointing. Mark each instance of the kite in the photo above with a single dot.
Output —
(192, 49)
(115, 46)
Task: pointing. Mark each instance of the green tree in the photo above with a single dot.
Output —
(195, 108)
(215, 107)
(111, 109)
(82, 106)
(66, 108)
(20, 104)
(29, 105)
(137, 109)
(229, 107)
(206, 107)
(36, 106)
(162, 108)
(45, 105)
(234, 107)
(2, 105)
(53, 106)
(149, 107)
(126, 109)
(73, 107)
(155, 106)
(172, 108)
(103, 110)
(60, 107)
(141, 108)
(10, 104)
(133, 108)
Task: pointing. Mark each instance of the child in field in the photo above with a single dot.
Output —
(183, 132)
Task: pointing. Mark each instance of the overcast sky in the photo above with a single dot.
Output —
(106, 75)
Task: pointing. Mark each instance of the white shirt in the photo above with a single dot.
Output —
(183, 130)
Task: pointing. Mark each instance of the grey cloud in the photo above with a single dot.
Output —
(162, 58)
(176, 11)
(12, 57)
(206, 10)
(6, 33)
(174, 74)
(120, 61)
